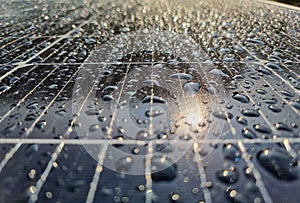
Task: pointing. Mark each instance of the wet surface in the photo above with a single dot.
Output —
(144, 101)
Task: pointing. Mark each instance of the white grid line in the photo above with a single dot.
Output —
(9, 155)
(207, 195)
(140, 142)
(98, 170)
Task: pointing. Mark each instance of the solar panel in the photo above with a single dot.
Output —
(141, 101)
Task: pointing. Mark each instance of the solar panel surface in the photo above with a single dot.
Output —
(142, 101)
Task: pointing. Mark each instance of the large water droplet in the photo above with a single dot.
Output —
(124, 164)
(282, 126)
(222, 115)
(261, 128)
(241, 97)
(269, 100)
(247, 133)
(228, 175)
(231, 152)
(163, 169)
(218, 73)
(278, 163)
(274, 108)
(241, 120)
(191, 88)
(250, 112)
(182, 76)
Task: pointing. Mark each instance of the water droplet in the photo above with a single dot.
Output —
(237, 197)
(247, 133)
(282, 126)
(175, 198)
(250, 113)
(274, 108)
(14, 80)
(222, 115)
(124, 164)
(90, 41)
(4, 88)
(241, 98)
(278, 163)
(33, 105)
(231, 152)
(31, 149)
(238, 49)
(182, 76)
(30, 117)
(229, 175)
(218, 73)
(261, 128)
(264, 71)
(163, 169)
(76, 184)
(108, 97)
(225, 50)
(41, 124)
(261, 91)
(191, 88)
(94, 127)
(48, 195)
(101, 118)
(151, 82)
(273, 66)
(32, 174)
(269, 100)
(286, 93)
(53, 86)
(212, 90)
(256, 41)
(9, 129)
(241, 120)
(295, 104)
